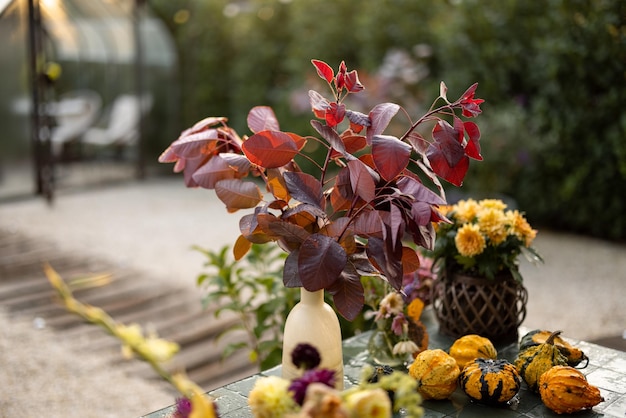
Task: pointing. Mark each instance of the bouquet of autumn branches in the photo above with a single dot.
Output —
(352, 213)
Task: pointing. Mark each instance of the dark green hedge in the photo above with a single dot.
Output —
(553, 73)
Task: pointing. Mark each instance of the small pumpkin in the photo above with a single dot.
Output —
(470, 347)
(490, 381)
(534, 361)
(566, 390)
(574, 355)
(436, 373)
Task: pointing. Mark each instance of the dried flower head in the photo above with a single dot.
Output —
(305, 356)
(300, 385)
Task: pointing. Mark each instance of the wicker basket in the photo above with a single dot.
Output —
(470, 305)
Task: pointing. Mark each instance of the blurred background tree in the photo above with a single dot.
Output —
(553, 75)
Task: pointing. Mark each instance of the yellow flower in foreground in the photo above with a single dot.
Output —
(201, 405)
(158, 349)
(520, 227)
(469, 241)
(372, 403)
(270, 398)
(492, 222)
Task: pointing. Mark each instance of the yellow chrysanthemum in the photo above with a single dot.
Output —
(415, 308)
(270, 398)
(492, 222)
(469, 241)
(493, 204)
(465, 210)
(373, 403)
(520, 227)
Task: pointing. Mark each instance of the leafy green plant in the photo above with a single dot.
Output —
(342, 223)
(252, 289)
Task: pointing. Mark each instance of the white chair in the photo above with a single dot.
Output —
(123, 123)
(74, 113)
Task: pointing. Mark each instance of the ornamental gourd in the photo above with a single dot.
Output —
(574, 355)
(534, 361)
(436, 373)
(490, 381)
(470, 347)
(565, 390)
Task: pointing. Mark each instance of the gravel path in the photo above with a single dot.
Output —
(42, 375)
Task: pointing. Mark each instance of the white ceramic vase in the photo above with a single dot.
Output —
(314, 322)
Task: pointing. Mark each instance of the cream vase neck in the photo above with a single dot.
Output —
(314, 322)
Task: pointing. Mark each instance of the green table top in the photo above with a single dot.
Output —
(606, 370)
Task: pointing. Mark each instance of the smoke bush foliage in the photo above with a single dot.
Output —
(552, 74)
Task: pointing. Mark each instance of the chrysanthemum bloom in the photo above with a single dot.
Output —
(492, 223)
(469, 241)
(270, 398)
(520, 227)
(372, 403)
(466, 210)
(493, 204)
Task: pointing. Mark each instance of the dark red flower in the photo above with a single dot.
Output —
(300, 385)
(305, 356)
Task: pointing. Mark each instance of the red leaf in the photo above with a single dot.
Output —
(250, 229)
(330, 135)
(420, 193)
(388, 258)
(361, 181)
(324, 70)
(293, 235)
(237, 194)
(347, 293)
(193, 145)
(352, 82)
(418, 142)
(453, 174)
(291, 278)
(410, 260)
(304, 188)
(237, 162)
(380, 116)
(447, 143)
(353, 143)
(335, 114)
(270, 149)
(319, 104)
(368, 224)
(320, 261)
(472, 149)
(214, 170)
(262, 118)
(391, 155)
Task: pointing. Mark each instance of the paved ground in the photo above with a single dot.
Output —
(152, 225)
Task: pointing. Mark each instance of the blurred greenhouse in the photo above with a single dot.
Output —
(99, 73)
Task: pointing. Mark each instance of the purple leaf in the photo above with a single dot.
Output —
(361, 181)
(320, 261)
(304, 188)
(262, 118)
(390, 155)
(380, 116)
